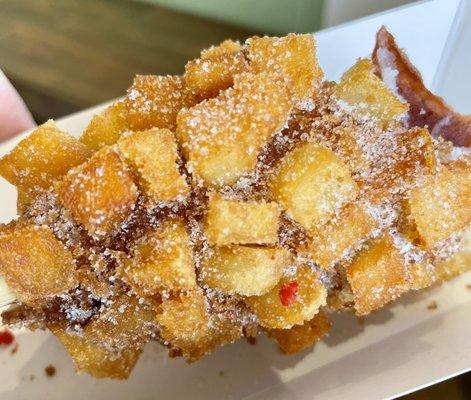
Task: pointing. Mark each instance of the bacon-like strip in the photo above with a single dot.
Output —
(426, 109)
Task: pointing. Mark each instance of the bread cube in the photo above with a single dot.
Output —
(161, 260)
(293, 58)
(343, 233)
(347, 147)
(377, 275)
(34, 263)
(311, 182)
(222, 136)
(301, 337)
(153, 155)
(238, 222)
(105, 128)
(44, 156)
(215, 70)
(154, 101)
(243, 270)
(442, 205)
(368, 96)
(111, 344)
(187, 325)
(292, 301)
(100, 194)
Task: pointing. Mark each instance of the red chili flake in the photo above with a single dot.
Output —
(288, 293)
(6, 337)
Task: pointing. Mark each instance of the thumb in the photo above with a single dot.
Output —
(14, 116)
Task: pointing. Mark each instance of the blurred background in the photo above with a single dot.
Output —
(67, 55)
(64, 56)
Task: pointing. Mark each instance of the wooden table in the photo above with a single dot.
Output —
(67, 55)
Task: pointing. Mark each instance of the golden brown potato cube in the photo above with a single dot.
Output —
(153, 154)
(44, 156)
(346, 231)
(458, 263)
(405, 158)
(238, 222)
(300, 337)
(100, 194)
(377, 275)
(96, 360)
(363, 92)
(247, 271)
(34, 263)
(421, 275)
(154, 101)
(347, 147)
(215, 70)
(187, 325)
(292, 301)
(228, 46)
(442, 205)
(23, 201)
(162, 259)
(292, 57)
(105, 128)
(311, 182)
(222, 136)
(110, 344)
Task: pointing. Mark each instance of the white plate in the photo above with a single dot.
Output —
(399, 349)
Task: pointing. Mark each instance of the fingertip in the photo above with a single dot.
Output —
(14, 115)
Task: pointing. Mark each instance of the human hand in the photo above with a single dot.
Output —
(14, 115)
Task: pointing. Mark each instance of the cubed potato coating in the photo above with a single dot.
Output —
(346, 231)
(404, 158)
(377, 275)
(243, 270)
(43, 157)
(301, 337)
(307, 295)
(239, 222)
(361, 91)
(153, 155)
(23, 201)
(187, 325)
(215, 69)
(161, 260)
(421, 275)
(154, 101)
(293, 58)
(100, 194)
(111, 344)
(96, 360)
(458, 263)
(222, 136)
(442, 205)
(228, 46)
(34, 263)
(347, 147)
(311, 182)
(105, 128)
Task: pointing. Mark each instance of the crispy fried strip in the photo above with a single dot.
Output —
(426, 109)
